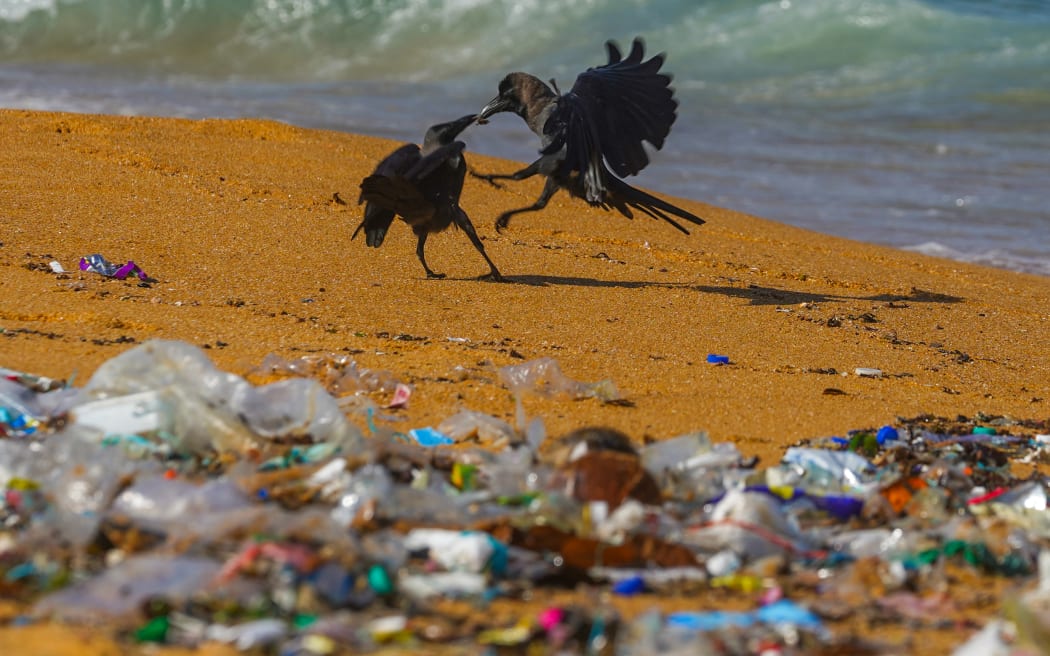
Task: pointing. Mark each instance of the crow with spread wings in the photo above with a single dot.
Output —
(601, 124)
(422, 186)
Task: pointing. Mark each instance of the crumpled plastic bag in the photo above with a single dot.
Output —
(78, 477)
(120, 590)
(467, 424)
(836, 471)
(544, 376)
(209, 409)
(751, 524)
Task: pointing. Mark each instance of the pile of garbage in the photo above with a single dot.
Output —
(183, 504)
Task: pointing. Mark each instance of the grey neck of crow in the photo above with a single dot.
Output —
(444, 134)
(436, 138)
(537, 101)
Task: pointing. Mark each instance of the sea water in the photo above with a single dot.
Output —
(920, 124)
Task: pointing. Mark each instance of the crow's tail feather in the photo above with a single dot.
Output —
(620, 193)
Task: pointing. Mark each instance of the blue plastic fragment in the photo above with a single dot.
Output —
(786, 611)
(370, 418)
(629, 586)
(334, 583)
(20, 571)
(430, 437)
(783, 611)
(717, 359)
(596, 634)
(842, 507)
(842, 441)
(709, 620)
(500, 557)
(885, 434)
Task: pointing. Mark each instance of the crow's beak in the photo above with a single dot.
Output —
(452, 129)
(465, 122)
(495, 106)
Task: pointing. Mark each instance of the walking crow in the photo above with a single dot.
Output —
(422, 186)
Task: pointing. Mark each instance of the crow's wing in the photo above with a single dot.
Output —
(397, 194)
(427, 164)
(611, 111)
(394, 164)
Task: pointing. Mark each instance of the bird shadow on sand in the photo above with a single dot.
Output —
(758, 295)
(548, 281)
(754, 294)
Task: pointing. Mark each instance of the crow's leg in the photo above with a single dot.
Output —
(419, 253)
(464, 224)
(549, 190)
(527, 172)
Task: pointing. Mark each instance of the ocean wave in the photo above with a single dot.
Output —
(840, 49)
(997, 258)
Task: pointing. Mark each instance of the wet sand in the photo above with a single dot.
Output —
(245, 227)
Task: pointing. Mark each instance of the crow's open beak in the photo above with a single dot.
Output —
(495, 106)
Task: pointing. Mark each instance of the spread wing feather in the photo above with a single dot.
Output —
(395, 183)
(609, 114)
(429, 163)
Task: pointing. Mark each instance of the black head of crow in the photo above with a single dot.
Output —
(422, 186)
(598, 129)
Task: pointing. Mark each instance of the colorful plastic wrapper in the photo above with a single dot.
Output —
(98, 264)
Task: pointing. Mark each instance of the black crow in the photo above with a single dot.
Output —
(422, 186)
(600, 124)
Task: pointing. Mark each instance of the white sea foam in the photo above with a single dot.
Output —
(17, 10)
(994, 258)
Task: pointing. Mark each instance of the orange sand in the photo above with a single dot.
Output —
(244, 226)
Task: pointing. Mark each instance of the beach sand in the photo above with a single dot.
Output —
(245, 226)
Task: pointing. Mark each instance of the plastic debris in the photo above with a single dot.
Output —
(778, 613)
(402, 393)
(544, 377)
(175, 389)
(338, 374)
(430, 437)
(185, 504)
(466, 551)
(868, 372)
(121, 589)
(249, 635)
(886, 434)
(629, 586)
(717, 359)
(98, 264)
(486, 429)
